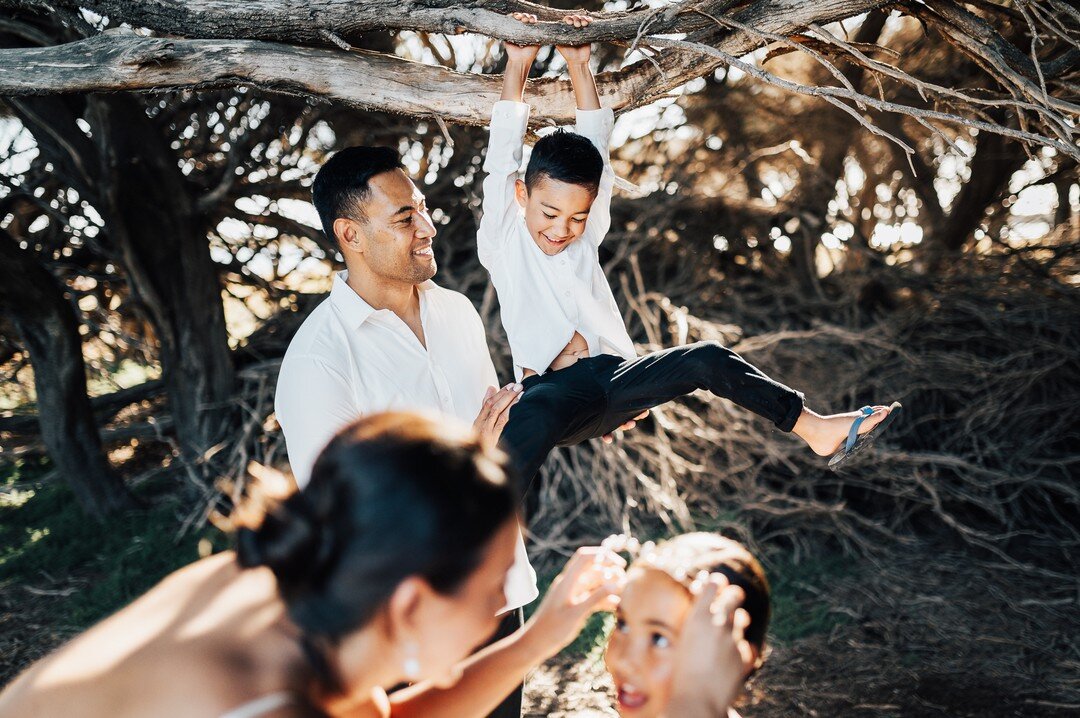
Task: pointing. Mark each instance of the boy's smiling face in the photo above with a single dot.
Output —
(555, 212)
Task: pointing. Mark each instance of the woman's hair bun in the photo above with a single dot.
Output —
(290, 541)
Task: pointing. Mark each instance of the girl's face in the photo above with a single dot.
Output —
(640, 652)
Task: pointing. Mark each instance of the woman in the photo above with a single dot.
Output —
(664, 648)
(388, 568)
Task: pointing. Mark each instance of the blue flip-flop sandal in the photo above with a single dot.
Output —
(856, 442)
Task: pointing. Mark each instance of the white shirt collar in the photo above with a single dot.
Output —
(351, 305)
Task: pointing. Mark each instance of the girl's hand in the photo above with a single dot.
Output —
(590, 582)
(711, 654)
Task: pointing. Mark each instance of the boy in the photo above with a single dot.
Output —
(539, 240)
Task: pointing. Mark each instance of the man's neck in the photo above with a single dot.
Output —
(401, 298)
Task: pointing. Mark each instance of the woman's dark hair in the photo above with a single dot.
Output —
(688, 554)
(341, 185)
(565, 157)
(393, 495)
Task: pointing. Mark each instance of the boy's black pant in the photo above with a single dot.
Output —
(597, 395)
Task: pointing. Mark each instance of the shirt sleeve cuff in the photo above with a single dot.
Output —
(596, 123)
(510, 114)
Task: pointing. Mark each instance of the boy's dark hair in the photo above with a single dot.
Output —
(565, 157)
(341, 186)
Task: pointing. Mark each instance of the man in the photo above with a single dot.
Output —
(388, 337)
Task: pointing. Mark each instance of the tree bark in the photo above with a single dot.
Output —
(818, 184)
(365, 80)
(47, 323)
(153, 220)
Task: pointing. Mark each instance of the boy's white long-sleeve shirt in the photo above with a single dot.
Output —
(545, 299)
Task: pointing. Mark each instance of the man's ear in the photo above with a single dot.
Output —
(521, 193)
(348, 234)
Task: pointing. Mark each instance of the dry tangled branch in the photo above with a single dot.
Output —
(307, 48)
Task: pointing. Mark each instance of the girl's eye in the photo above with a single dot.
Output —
(620, 625)
(549, 216)
(579, 221)
(660, 641)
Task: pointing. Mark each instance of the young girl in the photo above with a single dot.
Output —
(656, 602)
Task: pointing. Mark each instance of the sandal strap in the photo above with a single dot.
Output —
(853, 433)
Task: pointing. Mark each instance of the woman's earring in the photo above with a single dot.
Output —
(411, 666)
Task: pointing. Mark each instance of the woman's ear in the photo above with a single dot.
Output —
(403, 607)
(521, 193)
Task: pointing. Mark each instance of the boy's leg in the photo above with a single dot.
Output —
(656, 378)
(561, 407)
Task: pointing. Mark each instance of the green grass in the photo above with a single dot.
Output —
(798, 609)
(47, 543)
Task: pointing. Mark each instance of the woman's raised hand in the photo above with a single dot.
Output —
(590, 582)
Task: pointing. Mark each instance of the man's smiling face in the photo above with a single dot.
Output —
(394, 233)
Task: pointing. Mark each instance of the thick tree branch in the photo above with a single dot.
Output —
(319, 22)
(370, 81)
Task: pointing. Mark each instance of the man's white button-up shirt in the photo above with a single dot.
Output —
(545, 299)
(349, 359)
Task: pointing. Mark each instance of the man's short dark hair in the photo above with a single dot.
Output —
(565, 157)
(341, 186)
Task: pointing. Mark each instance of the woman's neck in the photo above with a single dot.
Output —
(367, 663)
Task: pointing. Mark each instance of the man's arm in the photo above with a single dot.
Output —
(509, 118)
(313, 402)
(594, 123)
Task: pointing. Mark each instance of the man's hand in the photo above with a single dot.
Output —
(608, 438)
(711, 653)
(576, 55)
(495, 412)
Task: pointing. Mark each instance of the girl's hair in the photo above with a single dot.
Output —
(393, 495)
(683, 557)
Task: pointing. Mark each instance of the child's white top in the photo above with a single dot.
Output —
(545, 299)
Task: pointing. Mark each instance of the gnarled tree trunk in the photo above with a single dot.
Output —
(156, 225)
(47, 323)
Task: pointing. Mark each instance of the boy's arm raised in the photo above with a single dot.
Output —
(593, 122)
(509, 119)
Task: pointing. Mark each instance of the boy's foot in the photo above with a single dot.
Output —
(825, 435)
